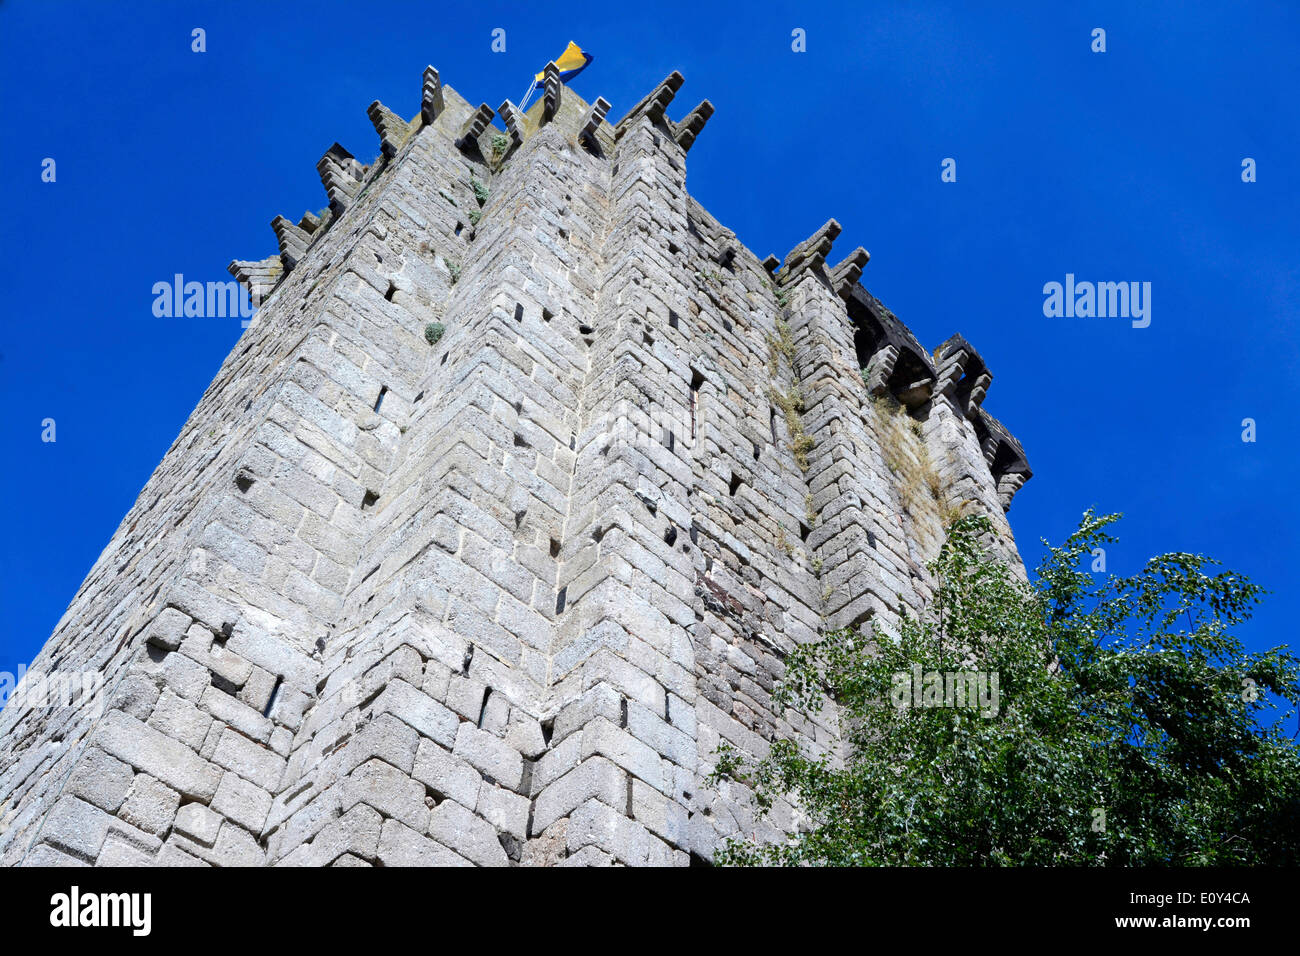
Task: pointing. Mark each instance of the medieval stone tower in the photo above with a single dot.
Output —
(499, 518)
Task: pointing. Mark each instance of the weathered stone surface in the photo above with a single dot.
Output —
(151, 805)
(199, 823)
(101, 780)
(471, 836)
(241, 801)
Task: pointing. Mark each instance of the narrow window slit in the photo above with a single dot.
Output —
(383, 390)
(275, 695)
(697, 380)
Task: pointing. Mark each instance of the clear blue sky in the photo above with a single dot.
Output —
(1117, 166)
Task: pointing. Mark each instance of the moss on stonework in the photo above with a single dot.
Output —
(481, 191)
(906, 455)
(791, 404)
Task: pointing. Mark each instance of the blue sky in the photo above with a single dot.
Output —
(1120, 166)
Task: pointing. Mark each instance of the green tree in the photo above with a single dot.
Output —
(1128, 728)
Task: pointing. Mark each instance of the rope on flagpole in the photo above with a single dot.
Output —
(528, 94)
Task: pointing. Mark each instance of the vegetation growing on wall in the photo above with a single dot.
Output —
(1128, 725)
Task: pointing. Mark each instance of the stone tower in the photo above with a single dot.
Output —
(500, 516)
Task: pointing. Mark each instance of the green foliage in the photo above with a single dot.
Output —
(782, 295)
(481, 192)
(433, 332)
(453, 268)
(474, 216)
(1130, 729)
(500, 143)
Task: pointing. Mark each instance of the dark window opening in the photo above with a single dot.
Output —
(275, 694)
(383, 390)
(697, 381)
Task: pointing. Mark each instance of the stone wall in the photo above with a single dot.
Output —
(498, 597)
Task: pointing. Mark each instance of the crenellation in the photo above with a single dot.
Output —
(474, 128)
(690, 127)
(431, 99)
(552, 91)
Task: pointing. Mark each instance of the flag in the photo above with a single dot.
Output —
(571, 62)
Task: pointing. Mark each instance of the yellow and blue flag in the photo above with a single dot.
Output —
(571, 62)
